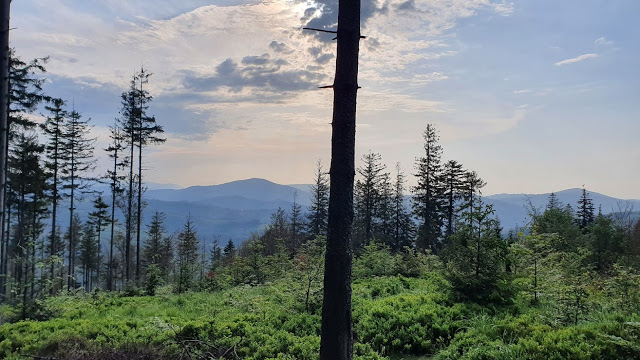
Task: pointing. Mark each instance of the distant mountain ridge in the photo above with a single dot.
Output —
(513, 209)
(235, 209)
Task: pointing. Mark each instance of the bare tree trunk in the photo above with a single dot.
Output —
(4, 133)
(336, 339)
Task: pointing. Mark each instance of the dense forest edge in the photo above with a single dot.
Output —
(440, 278)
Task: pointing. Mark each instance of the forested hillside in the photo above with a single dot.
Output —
(374, 259)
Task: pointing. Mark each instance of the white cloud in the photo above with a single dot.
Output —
(504, 8)
(576, 59)
(602, 41)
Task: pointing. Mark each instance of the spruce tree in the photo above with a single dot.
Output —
(383, 226)
(216, 255)
(229, 251)
(88, 254)
(157, 249)
(428, 193)
(24, 95)
(453, 177)
(553, 202)
(367, 198)
(78, 163)
(296, 225)
(53, 128)
(187, 247)
(99, 219)
(585, 214)
(147, 133)
(120, 162)
(319, 208)
(402, 223)
(26, 186)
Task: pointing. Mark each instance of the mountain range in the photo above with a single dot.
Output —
(235, 209)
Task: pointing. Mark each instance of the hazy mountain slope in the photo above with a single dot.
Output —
(250, 189)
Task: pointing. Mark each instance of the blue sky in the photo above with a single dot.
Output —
(535, 95)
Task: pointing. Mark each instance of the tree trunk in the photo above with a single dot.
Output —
(4, 134)
(336, 339)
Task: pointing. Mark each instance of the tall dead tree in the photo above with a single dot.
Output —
(336, 337)
(4, 125)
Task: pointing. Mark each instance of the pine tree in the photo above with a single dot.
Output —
(428, 193)
(319, 208)
(188, 244)
(53, 128)
(585, 214)
(78, 162)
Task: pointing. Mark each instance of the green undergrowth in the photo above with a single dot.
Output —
(394, 317)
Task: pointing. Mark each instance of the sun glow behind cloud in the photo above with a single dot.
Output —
(244, 72)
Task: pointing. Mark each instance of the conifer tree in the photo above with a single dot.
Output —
(78, 163)
(27, 186)
(229, 251)
(53, 128)
(319, 208)
(72, 237)
(402, 223)
(585, 214)
(157, 249)
(296, 224)
(188, 244)
(127, 122)
(24, 95)
(278, 230)
(553, 202)
(476, 254)
(367, 198)
(147, 133)
(216, 255)
(428, 193)
(120, 162)
(453, 177)
(383, 225)
(88, 254)
(99, 219)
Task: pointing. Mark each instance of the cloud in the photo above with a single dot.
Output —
(257, 72)
(602, 41)
(504, 8)
(576, 59)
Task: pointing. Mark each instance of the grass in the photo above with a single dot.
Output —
(394, 318)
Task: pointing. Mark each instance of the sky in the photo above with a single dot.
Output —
(534, 95)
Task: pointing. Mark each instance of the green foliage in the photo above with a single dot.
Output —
(153, 278)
